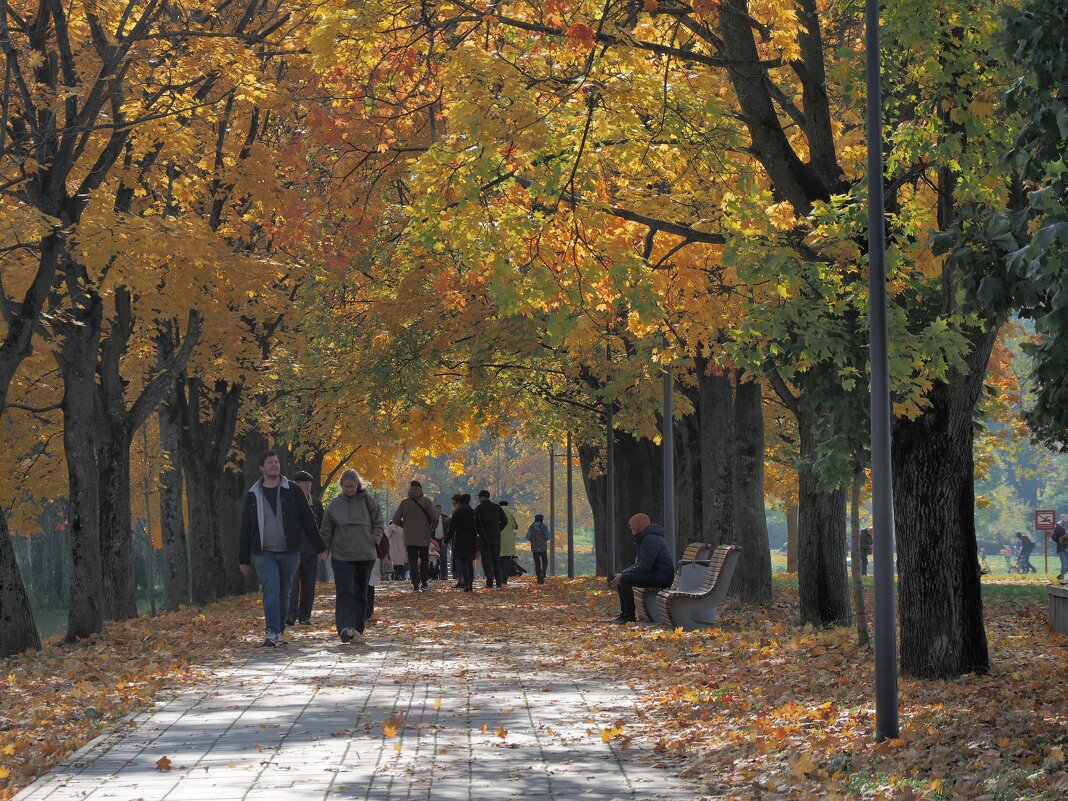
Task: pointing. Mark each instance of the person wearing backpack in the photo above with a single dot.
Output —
(538, 536)
(352, 529)
(419, 519)
(1059, 535)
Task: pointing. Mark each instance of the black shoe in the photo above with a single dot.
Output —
(489, 586)
(424, 587)
(622, 620)
(459, 585)
(305, 622)
(292, 622)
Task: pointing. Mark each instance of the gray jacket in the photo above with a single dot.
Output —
(352, 527)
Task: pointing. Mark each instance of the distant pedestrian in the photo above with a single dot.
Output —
(443, 549)
(275, 520)
(302, 596)
(1060, 538)
(508, 532)
(464, 535)
(418, 519)
(538, 536)
(492, 520)
(867, 543)
(1027, 546)
(452, 549)
(398, 554)
(653, 567)
(352, 528)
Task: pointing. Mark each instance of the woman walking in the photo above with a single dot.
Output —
(464, 535)
(352, 527)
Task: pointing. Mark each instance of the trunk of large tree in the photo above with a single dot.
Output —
(941, 602)
(716, 404)
(18, 631)
(116, 538)
(688, 484)
(78, 366)
(597, 495)
(171, 517)
(791, 538)
(639, 488)
(821, 541)
(205, 555)
(752, 580)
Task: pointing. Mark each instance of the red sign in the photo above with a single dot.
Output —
(1045, 519)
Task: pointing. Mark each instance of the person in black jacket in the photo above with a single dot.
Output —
(653, 567)
(275, 519)
(302, 596)
(464, 535)
(1027, 546)
(492, 520)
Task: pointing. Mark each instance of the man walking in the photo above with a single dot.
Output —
(653, 567)
(491, 519)
(508, 532)
(419, 520)
(538, 536)
(275, 519)
(439, 535)
(1059, 535)
(302, 597)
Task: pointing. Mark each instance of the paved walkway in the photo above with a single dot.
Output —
(310, 721)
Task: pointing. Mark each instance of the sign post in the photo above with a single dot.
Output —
(1045, 520)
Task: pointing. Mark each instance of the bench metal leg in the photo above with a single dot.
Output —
(692, 614)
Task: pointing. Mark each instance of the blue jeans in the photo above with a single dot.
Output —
(1064, 563)
(276, 571)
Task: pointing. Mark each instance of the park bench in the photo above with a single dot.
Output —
(1058, 608)
(694, 606)
(645, 597)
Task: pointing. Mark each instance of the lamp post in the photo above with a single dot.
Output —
(552, 509)
(610, 477)
(886, 690)
(570, 513)
(668, 439)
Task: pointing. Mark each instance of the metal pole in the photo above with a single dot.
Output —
(668, 438)
(610, 478)
(570, 514)
(886, 691)
(148, 524)
(552, 509)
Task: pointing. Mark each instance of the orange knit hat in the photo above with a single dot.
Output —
(639, 523)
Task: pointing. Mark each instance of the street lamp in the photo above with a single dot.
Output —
(886, 699)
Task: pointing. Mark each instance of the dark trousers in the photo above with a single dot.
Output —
(370, 603)
(443, 561)
(302, 596)
(627, 583)
(863, 563)
(541, 565)
(491, 563)
(467, 572)
(350, 579)
(419, 563)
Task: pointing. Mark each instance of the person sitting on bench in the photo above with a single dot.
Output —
(653, 567)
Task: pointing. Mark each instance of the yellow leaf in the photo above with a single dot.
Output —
(390, 726)
(4, 772)
(501, 732)
(802, 765)
(437, 703)
(8, 750)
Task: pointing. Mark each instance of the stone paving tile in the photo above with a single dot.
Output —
(306, 722)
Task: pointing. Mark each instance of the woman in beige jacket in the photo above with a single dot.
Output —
(352, 528)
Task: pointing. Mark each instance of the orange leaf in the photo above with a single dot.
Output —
(581, 35)
(163, 764)
(501, 732)
(390, 726)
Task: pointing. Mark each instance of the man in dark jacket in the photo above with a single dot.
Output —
(492, 520)
(275, 519)
(1059, 535)
(653, 568)
(302, 596)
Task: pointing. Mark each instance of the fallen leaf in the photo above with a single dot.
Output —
(163, 764)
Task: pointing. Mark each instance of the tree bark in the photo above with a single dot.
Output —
(752, 579)
(941, 602)
(791, 538)
(821, 533)
(858, 584)
(716, 404)
(597, 495)
(77, 360)
(689, 525)
(18, 630)
(171, 517)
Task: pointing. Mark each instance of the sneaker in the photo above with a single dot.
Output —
(622, 620)
(424, 587)
(305, 622)
(270, 639)
(291, 622)
(346, 635)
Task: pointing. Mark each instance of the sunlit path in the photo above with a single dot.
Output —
(395, 718)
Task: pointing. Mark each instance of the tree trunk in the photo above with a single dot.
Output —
(941, 602)
(716, 403)
(116, 538)
(204, 552)
(171, 517)
(859, 608)
(18, 631)
(78, 365)
(688, 484)
(821, 533)
(752, 580)
(597, 495)
(791, 538)
(639, 488)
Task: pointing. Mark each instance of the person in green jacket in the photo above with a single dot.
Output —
(508, 542)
